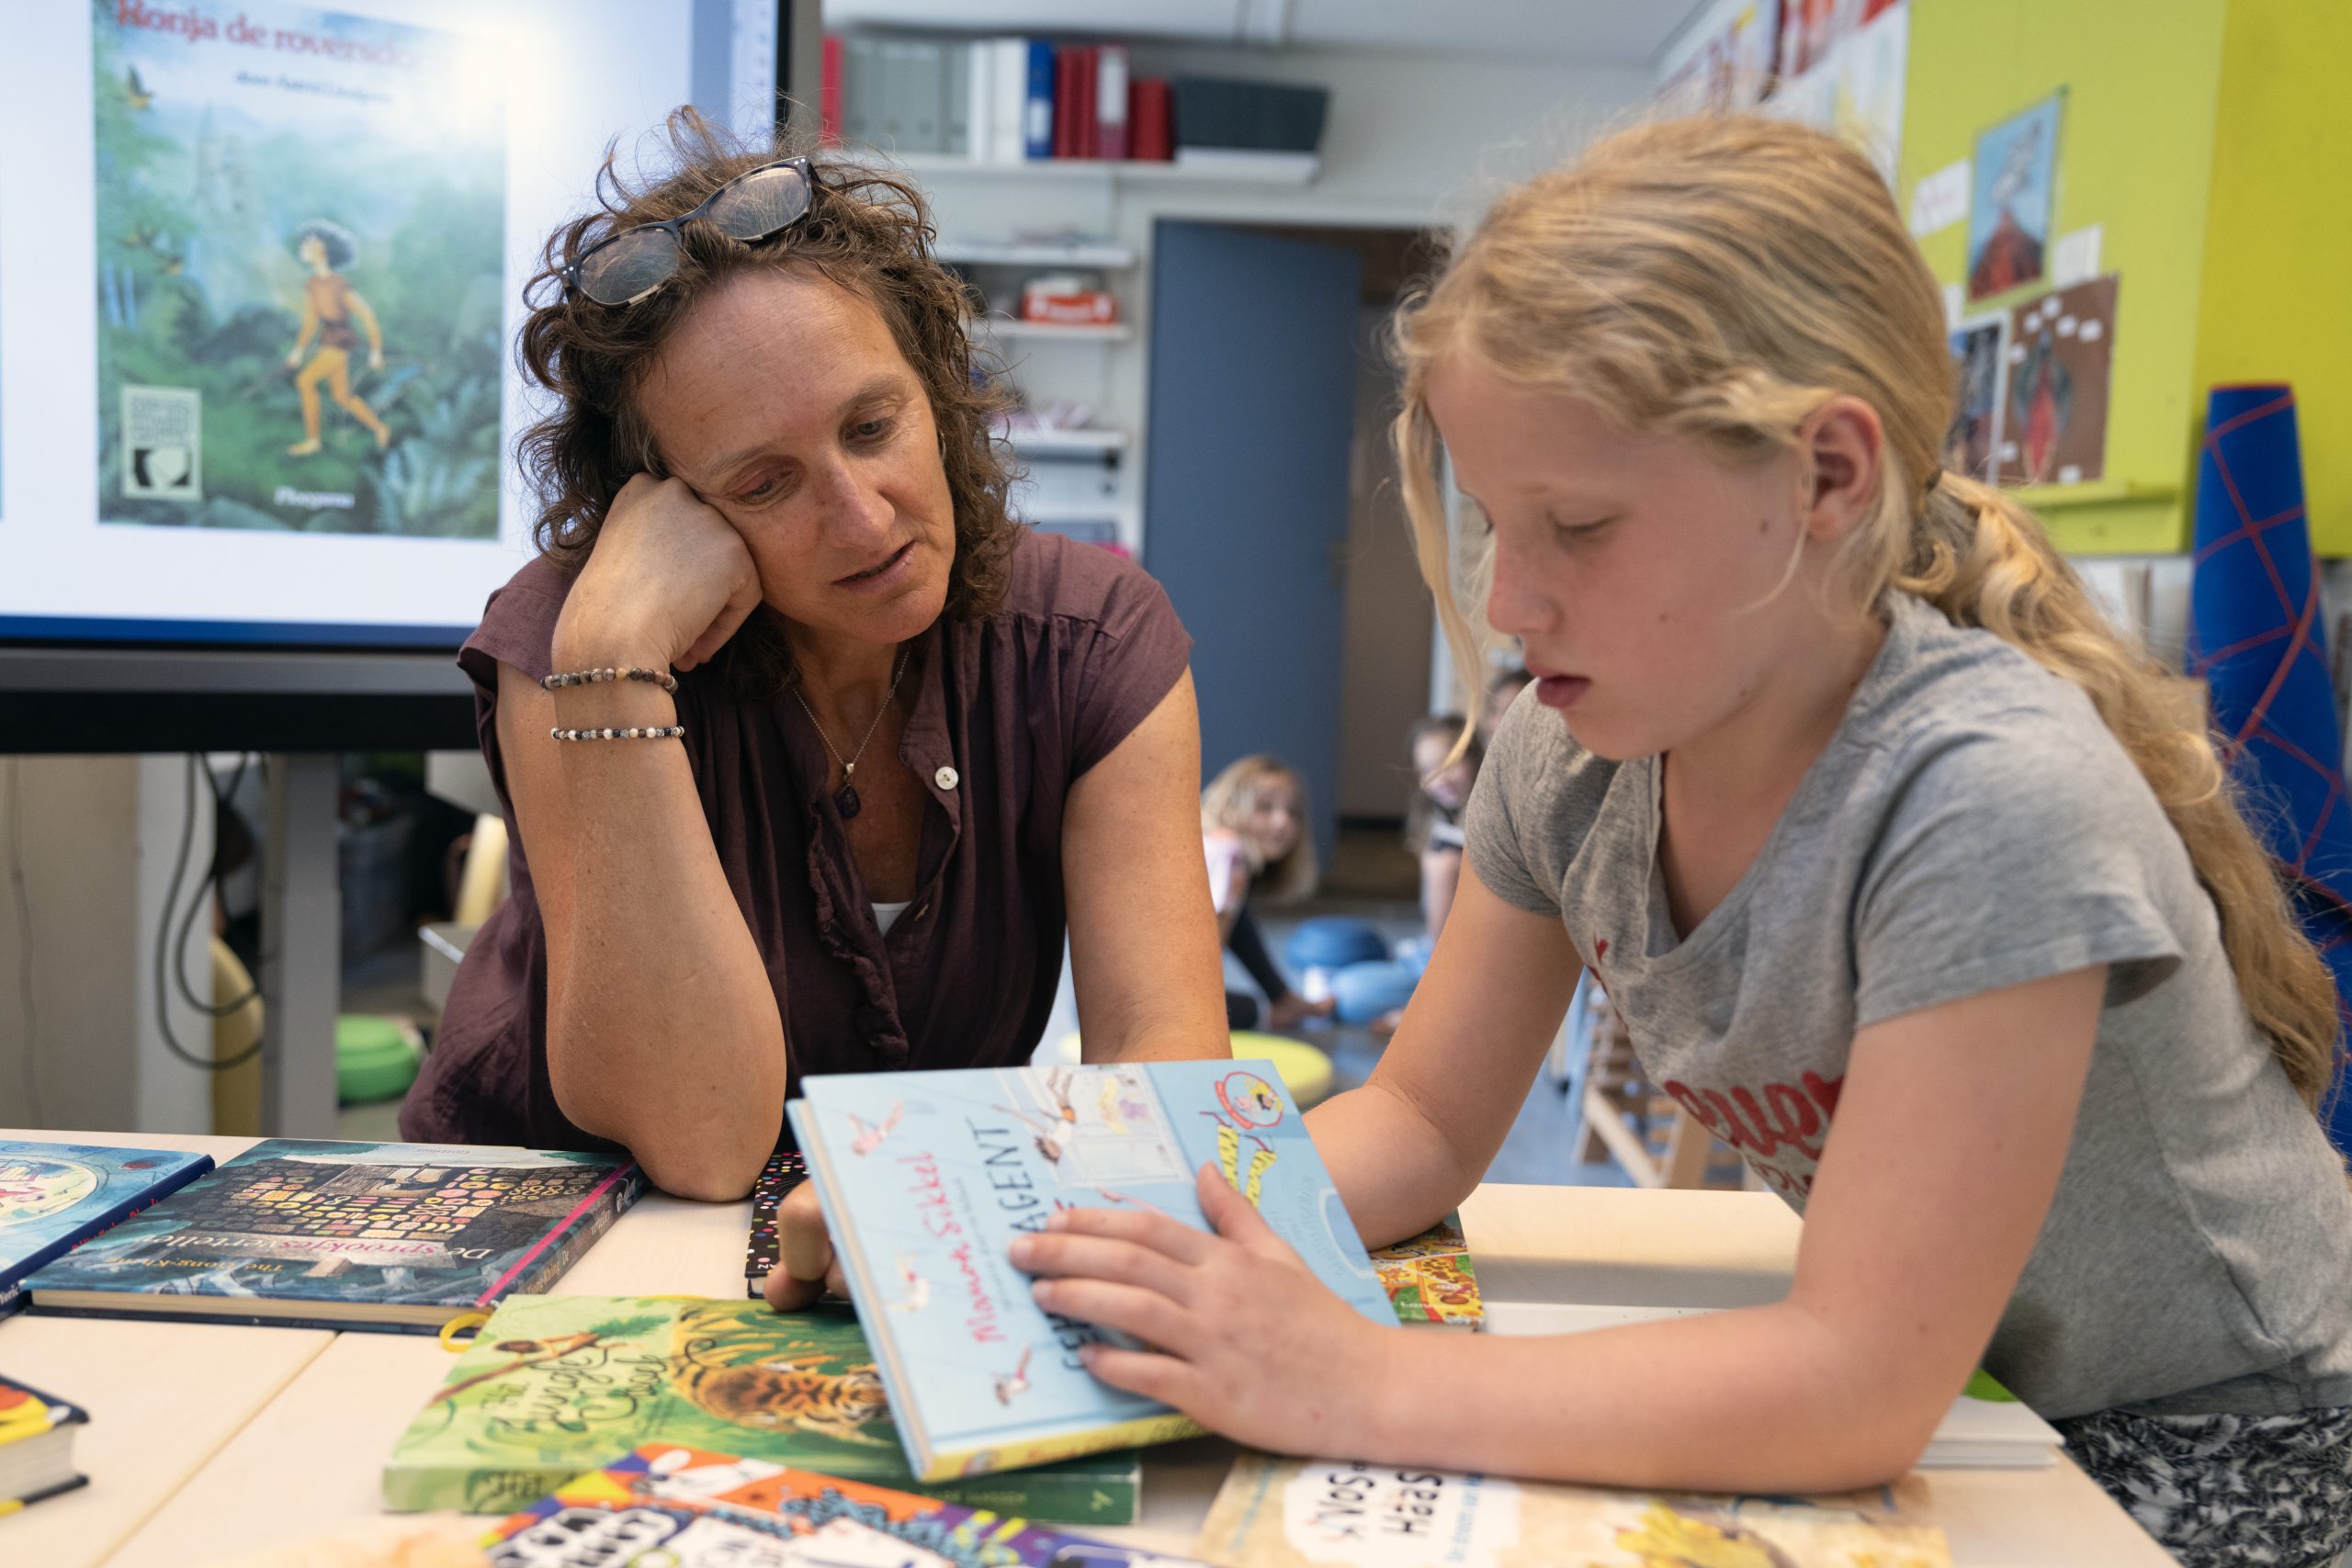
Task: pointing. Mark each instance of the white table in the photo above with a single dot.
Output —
(226, 1441)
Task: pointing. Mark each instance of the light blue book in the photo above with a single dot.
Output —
(926, 1178)
(55, 1196)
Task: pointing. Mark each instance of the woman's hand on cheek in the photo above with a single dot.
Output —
(667, 583)
(1245, 1339)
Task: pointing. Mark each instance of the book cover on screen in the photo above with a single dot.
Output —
(302, 237)
(690, 1507)
(36, 1445)
(1429, 1277)
(1294, 1513)
(556, 1386)
(926, 1178)
(55, 1196)
(395, 1236)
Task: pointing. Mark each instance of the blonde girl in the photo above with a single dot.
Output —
(1914, 882)
(1253, 830)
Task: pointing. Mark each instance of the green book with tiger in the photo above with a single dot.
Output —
(556, 1386)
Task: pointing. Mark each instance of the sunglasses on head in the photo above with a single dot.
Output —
(759, 204)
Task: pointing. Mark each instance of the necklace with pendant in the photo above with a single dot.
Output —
(845, 798)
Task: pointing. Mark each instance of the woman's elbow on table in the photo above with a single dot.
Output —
(686, 1160)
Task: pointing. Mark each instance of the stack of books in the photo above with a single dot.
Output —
(1022, 99)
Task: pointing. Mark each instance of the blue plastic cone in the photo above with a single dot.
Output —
(2258, 636)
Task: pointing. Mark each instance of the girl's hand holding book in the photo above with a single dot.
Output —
(1246, 1339)
(807, 1266)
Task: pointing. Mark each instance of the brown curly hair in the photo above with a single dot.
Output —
(867, 232)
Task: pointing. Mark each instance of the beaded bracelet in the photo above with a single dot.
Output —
(635, 732)
(660, 677)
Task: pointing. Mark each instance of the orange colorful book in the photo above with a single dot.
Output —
(1429, 1278)
(36, 1445)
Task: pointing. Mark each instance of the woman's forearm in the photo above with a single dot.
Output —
(663, 1032)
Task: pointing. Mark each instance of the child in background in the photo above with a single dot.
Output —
(1433, 820)
(1253, 829)
(1502, 691)
(1913, 881)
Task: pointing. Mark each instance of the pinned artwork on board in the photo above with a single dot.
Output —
(1721, 61)
(301, 266)
(2009, 218)
(1853, 85)
(1974, 439)
(2053, 419)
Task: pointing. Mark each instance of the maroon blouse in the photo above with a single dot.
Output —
(1018, 705)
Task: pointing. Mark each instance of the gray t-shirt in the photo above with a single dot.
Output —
(1974, 825)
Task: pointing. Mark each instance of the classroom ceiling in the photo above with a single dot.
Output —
(1611, 33)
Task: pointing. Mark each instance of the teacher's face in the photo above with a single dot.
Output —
(785, 402)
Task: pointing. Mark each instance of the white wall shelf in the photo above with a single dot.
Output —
(1110, 332)
(1068, 443)
(991, 253)
(1287, 172)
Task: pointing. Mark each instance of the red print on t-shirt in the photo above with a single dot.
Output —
(1786, 1117)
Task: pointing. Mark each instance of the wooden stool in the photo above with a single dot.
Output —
(1628, 1118)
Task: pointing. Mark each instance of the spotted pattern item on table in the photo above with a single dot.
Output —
(785, 1172)
(2227, 1491)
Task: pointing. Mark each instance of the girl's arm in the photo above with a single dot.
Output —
(1410, 1144)
(1440, 880)
(1947, 1140)
(1143, 942)
(1228, 883)
(1248, 945)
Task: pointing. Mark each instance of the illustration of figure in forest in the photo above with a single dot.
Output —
(330, 305)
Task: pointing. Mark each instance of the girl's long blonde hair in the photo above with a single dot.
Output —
(1225, 805)
(1721, 279)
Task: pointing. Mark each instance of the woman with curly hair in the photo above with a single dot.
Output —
(809, 753)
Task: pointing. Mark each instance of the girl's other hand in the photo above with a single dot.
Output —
(807, 1267)
(1246, 1340)
(668, 583)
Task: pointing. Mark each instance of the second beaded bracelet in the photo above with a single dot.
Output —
(634, 732)
(660, 677)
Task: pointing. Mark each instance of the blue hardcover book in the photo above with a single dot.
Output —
(55, 1196)
(399, 1237)
(1037, 109)
(926, 1178)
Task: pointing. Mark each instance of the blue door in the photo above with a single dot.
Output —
(1251, 411)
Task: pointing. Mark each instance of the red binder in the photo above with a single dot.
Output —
(1085, 128)
(829, 91)
(1066, 102)
(1151, 131)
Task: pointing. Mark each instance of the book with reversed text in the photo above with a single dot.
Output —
(926, 1178)
(1294, 1513)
